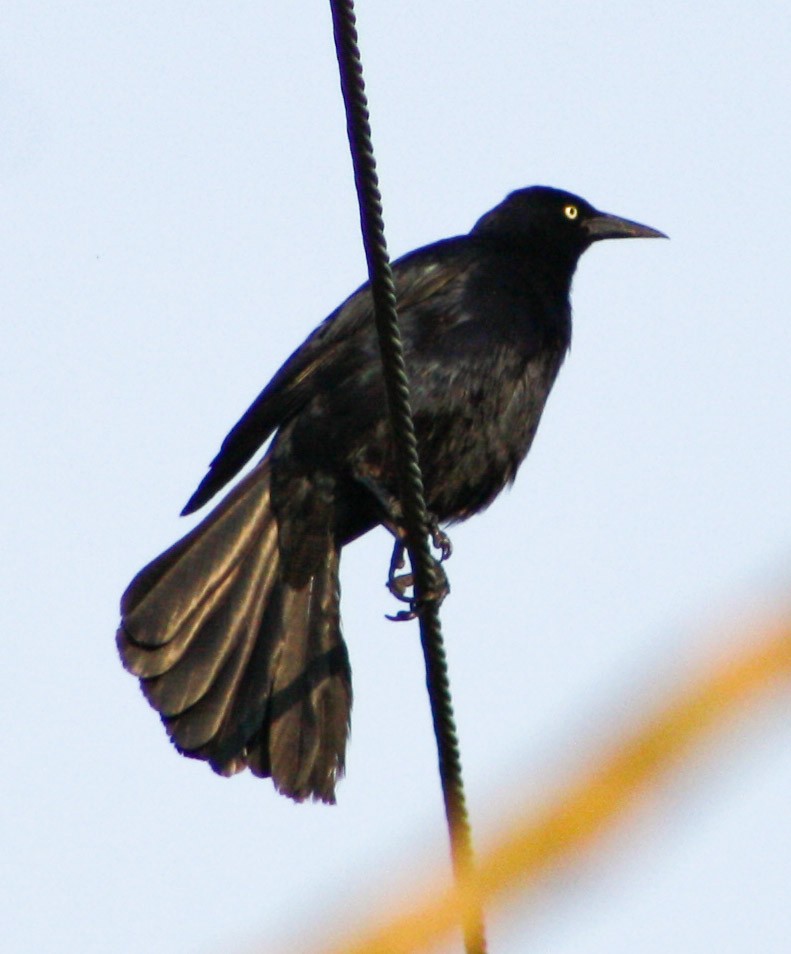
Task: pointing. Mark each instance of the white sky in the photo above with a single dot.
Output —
(176, 214)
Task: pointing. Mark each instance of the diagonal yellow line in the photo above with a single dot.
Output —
(596, 800)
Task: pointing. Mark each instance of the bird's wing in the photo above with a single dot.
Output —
(339, 343)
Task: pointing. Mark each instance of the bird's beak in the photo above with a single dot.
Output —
(605, 226)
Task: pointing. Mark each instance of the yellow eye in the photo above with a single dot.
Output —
(571, 212)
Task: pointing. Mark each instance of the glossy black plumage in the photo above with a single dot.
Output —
(234, 631)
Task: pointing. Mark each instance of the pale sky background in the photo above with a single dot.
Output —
(176, 214)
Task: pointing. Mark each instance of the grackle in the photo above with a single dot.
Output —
(234, 632)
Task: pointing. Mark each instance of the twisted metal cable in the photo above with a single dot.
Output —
(415, 514)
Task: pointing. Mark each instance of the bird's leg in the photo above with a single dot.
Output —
(392, 519)
(398, 585)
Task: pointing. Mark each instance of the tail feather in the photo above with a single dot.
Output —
(246, 669)
(183, 580)
(309, 732)
(244, 724)
(196, 730)
(297, 684)
(220, 633)
(147, 662)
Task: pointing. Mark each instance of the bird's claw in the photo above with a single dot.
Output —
(440, 539)
(402, 616)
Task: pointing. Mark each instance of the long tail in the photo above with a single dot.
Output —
(246, 669)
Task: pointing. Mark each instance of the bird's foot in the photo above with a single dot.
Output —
(399, 584)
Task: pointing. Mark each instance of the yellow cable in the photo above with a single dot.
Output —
(536, 841)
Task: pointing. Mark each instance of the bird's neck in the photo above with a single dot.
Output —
(528, 290)
(552, 277)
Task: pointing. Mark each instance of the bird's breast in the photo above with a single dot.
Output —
(473, 437)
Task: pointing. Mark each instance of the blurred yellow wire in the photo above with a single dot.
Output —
(536, 841)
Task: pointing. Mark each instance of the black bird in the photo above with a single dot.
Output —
(234, 631)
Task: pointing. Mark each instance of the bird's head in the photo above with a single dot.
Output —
(552, 219)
